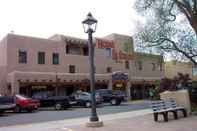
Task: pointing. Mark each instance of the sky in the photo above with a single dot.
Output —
(43, 18)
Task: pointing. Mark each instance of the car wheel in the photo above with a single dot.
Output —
(58, 106)
(118, 102)
(17, 109)
(87, 104)
(113, 102)
(30, 110)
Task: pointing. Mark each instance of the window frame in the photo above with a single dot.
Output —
(108, 52)
(54, 55)
(39, 58)
(140, 65)
(72, 67)
(127, 64)
(109, 69)
(20, 56)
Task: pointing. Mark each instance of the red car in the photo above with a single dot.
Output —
(25, 103)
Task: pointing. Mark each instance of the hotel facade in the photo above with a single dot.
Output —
(60, 65)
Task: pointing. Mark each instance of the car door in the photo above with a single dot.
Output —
(72, 100)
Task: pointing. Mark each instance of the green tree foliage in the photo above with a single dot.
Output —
(170, 27)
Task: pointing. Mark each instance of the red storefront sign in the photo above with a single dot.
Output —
(116, 54)
(104, 43)
(120, 55)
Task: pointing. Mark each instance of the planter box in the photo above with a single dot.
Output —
(181, 97)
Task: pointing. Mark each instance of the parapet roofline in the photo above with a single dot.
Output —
(116, 34)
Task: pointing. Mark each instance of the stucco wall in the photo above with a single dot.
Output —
(3, 52)
(3, 80)
(33, 46)
(174, 67)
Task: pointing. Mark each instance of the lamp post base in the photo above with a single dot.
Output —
(94, 124)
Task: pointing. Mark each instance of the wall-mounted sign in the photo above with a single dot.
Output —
(116, 76)
(116, 54)
(39, 87)
(119, 85)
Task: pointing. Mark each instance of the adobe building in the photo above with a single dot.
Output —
(172, 68)
(60, 65)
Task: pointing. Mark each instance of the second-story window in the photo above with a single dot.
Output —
(108, 52)
(139, 65)
(153, 66)
(22, 56)
(55, 58)
(127, 65)
(73, 50)
(109, 69)
(41, 57)
(71, 68)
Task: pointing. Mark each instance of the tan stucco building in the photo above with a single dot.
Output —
(60, 65)
(172, 68)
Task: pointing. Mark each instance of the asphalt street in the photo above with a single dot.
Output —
(49, 114)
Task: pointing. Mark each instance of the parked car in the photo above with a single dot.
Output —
(25, 103)
(109, 96)
(7, 103)
(46, 100)
(121, 94)
(83, 99)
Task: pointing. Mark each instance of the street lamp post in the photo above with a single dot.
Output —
(89, 25)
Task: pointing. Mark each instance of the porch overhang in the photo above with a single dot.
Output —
(22, 76)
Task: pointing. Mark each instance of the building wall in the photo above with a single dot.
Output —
(33, 46)
(172, 68)
(3, 52)
(147, 66)
(3, 65)
(147, 59)
(57, 44)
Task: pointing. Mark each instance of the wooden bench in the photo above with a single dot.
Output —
(164, 107)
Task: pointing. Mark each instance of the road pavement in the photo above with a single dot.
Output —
(49, 114)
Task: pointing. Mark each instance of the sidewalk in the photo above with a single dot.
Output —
(140, 120)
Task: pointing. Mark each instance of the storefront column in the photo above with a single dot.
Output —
(110, 84)
(128, 90)
(15, 87)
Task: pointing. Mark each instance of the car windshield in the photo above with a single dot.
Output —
(23, 97)
(40, 95)
(104, 91)
(85, 94)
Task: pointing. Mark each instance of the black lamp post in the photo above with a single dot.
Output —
(89, 25)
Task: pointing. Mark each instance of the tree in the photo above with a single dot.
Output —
(170, 27)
